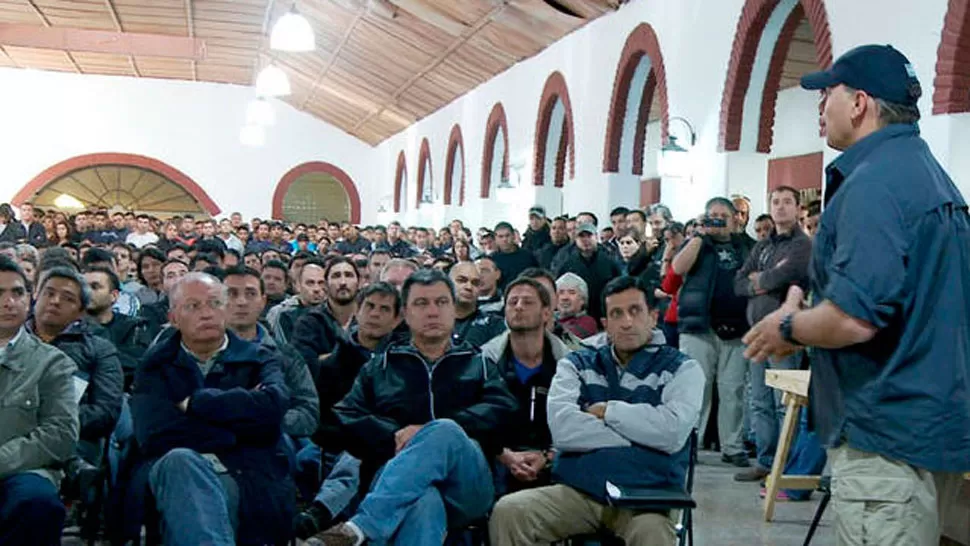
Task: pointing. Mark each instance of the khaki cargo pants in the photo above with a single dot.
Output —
(556, 512)
(878, 501)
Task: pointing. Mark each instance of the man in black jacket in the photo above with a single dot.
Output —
(128, 334)
(378, 315)
(34, 231)
(537, 236)
(316, 333)
(509, 258)
(62, 297)
(156, 314)
(472, 325)
(430, 416)
(558, 240)
(712, 319)
(590, 260)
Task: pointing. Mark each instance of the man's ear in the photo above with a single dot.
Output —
(603, 322)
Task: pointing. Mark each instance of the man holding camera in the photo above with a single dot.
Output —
(713, 319)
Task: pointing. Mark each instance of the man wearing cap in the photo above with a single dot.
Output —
(509, 257)
(537, 236)
(590, 261)
(891, 280)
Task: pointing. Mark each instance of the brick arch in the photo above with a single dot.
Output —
(952, 81)
(399, 175)
(424, 162)
(751, 24)
(455, 143)
(339, 174)
(554, 90)
(496, 121)
(68, 166)
(641, 41)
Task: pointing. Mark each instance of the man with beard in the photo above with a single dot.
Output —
(378, 315)
(128, 334)
(526, 356)
(472, 325)
(558, 240)
(315, 335)
(311, 292)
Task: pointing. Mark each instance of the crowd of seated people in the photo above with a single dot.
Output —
(367, 384)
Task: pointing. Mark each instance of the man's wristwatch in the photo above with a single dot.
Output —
(786, 329)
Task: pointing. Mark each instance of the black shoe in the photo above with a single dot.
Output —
(311, 521)
(739, 460)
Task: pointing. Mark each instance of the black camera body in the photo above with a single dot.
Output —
(709, 222)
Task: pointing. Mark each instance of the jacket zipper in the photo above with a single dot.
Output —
(430, 368)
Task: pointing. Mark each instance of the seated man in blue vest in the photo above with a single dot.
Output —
(619, 414)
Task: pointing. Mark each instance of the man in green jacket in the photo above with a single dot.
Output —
(38, 421)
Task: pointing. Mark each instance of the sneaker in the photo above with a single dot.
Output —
(780, 497)
(338, 535)
(739, 460)
(753, 474)
(311, 521)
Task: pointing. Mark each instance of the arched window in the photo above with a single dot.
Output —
(555, 139)
(401, 184)
(315, 190)
(455, 168)
(425, 193)
(495, 154)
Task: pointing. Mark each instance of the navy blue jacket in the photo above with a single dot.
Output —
(235, 412)
(893, 250)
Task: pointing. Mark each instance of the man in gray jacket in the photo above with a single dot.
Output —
(775, 264)
(38, 421)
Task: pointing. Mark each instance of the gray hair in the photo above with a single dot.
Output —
(395, 263)
(195, 277)
(892, 112)
(64, 272)
(662, 210)
(574, 281)
(27, 253)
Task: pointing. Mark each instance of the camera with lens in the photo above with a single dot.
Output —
(713, 222)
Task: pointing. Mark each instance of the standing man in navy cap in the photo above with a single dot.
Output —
(891, 324)
(537, 236)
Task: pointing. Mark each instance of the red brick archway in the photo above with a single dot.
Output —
(952, 82)
(751, 24)
(317, 167)
(456, 152)
(132, 160)
(400, 174)
(554, 90)
(424, 169)
(496, 120)
(642, 41)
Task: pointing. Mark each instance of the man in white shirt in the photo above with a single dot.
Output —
(143, 234)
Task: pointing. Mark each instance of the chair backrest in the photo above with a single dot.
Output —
(692, 461)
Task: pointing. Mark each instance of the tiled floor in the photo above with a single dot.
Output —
(730, 513)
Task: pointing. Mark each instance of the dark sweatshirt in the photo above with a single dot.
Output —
(782, 261)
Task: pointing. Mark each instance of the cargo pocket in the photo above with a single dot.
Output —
(875, 511)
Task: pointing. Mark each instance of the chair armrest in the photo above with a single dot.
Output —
(653, 499)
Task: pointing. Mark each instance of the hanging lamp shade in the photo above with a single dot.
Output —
(292, 32)
(260, 112)
(272, 82)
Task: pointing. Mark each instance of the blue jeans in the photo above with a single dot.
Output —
(807, 457)
(197, 504)
(439, 480)
(304, 460)
(31, 511)
(766, 409)
(339, 490)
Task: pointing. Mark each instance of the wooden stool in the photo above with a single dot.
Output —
(794, 387)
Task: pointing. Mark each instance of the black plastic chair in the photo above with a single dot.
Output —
(824, 485)
(92, 490)
(659, 501)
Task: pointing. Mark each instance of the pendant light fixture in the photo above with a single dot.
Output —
(272, 82)
(260, 112)
(292, 32)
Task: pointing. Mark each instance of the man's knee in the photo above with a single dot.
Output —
(511, 510)
(444, 430)
(40, 504)
(173, 463)
(653, 529)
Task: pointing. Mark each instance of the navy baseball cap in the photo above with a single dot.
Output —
(879, 70)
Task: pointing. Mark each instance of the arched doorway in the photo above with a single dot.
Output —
(776, 42)
(455, 168)
(315, 190)
(113, 180)
(639, 98)
(495, 154)
(425, 193)
(555, 139)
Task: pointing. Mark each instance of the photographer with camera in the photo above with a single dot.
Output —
(713, 319)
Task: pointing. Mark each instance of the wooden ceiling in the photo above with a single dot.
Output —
(801, 56)
(379, 65)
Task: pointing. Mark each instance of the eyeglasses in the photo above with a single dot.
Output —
(193, 306)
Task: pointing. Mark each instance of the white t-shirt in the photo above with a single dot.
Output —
(141, 240)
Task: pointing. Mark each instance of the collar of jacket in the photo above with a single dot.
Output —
(408, 349)
(17, 351)
(73, 330)
(795, 233)
(168, 351)
(494, 349)
(264, 338)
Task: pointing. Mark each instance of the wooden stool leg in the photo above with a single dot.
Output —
(781, 453)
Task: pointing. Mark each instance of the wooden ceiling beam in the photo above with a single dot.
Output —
(117, 21)
(102, 41)
(335, 55)
(430, 15)
(462, 40)
(47, 23)
(190, 23)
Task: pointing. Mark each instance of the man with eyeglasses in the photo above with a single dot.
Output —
(208, 409)
(472, 325)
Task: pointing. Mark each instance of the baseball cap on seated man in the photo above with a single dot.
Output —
(586, 228)
(879, 70)
(537, 211)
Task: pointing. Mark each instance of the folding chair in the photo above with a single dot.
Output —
(660, 500)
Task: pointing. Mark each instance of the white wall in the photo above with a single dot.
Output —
(47, 117)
